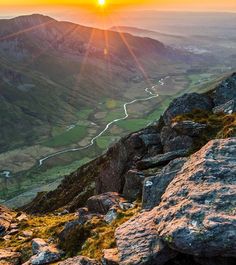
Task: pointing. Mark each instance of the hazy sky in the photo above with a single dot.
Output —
(193, 5)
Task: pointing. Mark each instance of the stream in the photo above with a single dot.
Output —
(125, 106)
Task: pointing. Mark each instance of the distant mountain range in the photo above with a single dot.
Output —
(50, 69)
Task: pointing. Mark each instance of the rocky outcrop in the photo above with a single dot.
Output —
(102, 203)
(186, 104)
(133, 185)
(228, 107)
(160, 160)
(8, 257)
(95, 177)
(189, 128)
(110, 257)
(138, 242)
(79, 260)
(196, 215)
(6, 217)
(197, 211)
(155, 186)
(43, 253)
(225, 91)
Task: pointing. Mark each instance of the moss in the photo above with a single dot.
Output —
(218, 125)
(46, 227)
(102, 235)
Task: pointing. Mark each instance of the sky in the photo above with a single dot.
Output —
(190, 5)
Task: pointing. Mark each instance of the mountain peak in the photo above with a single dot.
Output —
(33, 19)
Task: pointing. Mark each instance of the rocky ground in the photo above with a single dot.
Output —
(163, 195)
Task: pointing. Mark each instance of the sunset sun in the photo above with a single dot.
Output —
(101, 2)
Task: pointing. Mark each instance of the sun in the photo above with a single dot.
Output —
(101, 2)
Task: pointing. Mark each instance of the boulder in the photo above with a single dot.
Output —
(110, 257)
(8, 257)
(167, 134)
(197, 211)
(155, 186)
(102, 203)
(160, 160)
(111, 215)
(6, 217)
(37, 245)
(189, 128)
(151, 139)
(186, 104)
(138, 242)
(133, 185)
(79, 260)
(181, 142)
(225, 91)
(43, 252)
(227, 108)
(71, 228)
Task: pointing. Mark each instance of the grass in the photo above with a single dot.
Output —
(133, 124)
(95, 235)
(33, 180)
(46, 227)
(68, 137)
(84, 114)
(102, 235)
(103, 142)
(218, 125)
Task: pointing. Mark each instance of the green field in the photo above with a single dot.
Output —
(68, 137)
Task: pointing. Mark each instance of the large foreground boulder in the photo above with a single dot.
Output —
(197, 214)
(138, 242)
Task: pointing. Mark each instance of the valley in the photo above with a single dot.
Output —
(93, 97)
(29, 176)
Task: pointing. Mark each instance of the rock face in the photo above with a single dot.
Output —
(197, 212)
(6, 217)
(43, 252)
(104, 202)
(189, 128)
(138, 242)
(155, 186)
(160, 160)
(225, 91)
(8, 257)
(79, 260)
(228, 107)
(110, 257)
(196, 215)
(95, 177)
(186, 104)
(133, 184)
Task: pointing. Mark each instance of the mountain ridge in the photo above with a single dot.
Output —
(164, 195)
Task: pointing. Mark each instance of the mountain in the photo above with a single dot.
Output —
(151, 147)
(75, 66)
(164, 195)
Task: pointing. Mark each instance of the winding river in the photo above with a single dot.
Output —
(125, 106)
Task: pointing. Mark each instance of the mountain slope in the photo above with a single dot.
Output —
(74, 66)
(188, 123)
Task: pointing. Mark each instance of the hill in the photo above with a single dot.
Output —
(164, 195)
(75, 66)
